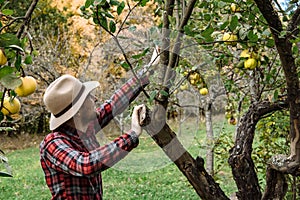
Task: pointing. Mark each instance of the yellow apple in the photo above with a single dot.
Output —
(185, 73)
(230, 39)
(184, 86)
(193, 82)
(228, 115)
(11, 106)
(3, 59)
(203, 91)
(27, 87)
(245, 54)
(195, 76)
(250, 63)
(234, 8)
(232, 121)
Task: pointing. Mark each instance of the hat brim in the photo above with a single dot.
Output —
(55, 122)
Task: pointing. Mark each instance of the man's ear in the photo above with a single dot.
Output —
(77, 115)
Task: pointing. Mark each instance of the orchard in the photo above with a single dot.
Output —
(251, 46)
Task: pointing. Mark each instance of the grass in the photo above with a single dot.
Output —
(146, 173)
(28, 181)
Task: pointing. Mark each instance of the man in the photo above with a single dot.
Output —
(71, 157)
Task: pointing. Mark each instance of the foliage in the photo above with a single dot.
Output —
(13, 45)
(272, 138)
(50, 17)
(216, 18)
(20, 26)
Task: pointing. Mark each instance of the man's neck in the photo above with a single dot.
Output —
(77, 124)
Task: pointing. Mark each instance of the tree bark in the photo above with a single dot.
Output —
(240, 160)
(193, 169)
(277, 185)
(209, 139)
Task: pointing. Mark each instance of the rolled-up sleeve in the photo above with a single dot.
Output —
(120, 100)
(59, 154)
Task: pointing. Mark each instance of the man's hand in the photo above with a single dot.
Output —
(135, 124)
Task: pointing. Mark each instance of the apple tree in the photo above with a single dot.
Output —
(16, 52)
(258, 60)
(254, 46)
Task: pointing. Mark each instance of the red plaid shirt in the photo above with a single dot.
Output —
(72, 160)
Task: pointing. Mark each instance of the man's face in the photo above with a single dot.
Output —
(87, 111)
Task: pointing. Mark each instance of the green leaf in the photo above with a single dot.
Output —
(10, 81)
(7, 39)
(233, 23)
(103, 22)
(5, 71)
(82, 8)
(137, 56)
(243, 33)
(16, 47)
(1, 116)
(112, 26)
(18, 62)
(143, 2)
(229, 1)
(28, 60)
(88, 3)
(108, 14)
(224, 25)
(295, 49)
(7, 12)
(7, 129)
(252, 36)
(282, 34)
(207, 32)
(120, 7)
(152, 95)
(132, 28)
(164, 93)
(207, 17)
(125, 65)
(114, 2)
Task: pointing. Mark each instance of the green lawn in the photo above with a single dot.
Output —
(145, 174)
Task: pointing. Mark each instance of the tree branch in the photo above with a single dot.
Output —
(27, 17)
(294, 22)
(176, 49)
(240, 160)
(270, 14)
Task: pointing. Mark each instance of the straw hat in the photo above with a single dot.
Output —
(64, 97)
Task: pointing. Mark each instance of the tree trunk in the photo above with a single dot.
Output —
(209, 140)
(276, 185)
(240, 160)
(193, 169)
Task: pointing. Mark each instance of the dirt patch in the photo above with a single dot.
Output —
(20, 141)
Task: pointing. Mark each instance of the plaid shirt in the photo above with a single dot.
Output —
(72, 160)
